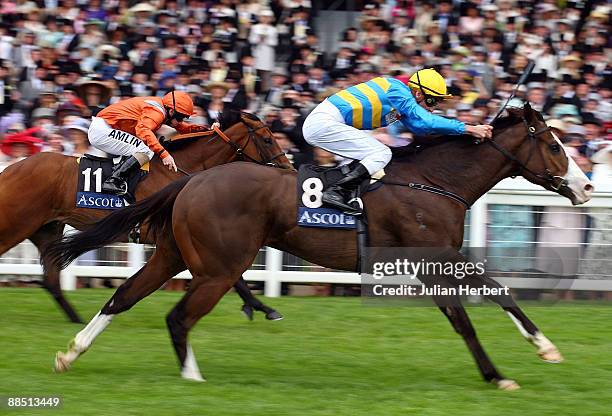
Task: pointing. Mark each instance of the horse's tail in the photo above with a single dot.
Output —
(155, 212)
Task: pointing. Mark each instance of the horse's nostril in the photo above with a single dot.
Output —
(588, 188)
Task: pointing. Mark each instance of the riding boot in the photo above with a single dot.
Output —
(117, 183)
(335, 194)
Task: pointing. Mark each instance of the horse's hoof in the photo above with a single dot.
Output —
(551, 356)
(507, 385)
(193, 377)
(248, 311)
(61, 363)
(274, 316)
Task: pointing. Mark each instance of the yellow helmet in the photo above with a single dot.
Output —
(430, 82)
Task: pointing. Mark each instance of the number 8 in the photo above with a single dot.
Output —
(313, 188)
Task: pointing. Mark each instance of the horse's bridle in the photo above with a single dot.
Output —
(252, 132)
(555, 182)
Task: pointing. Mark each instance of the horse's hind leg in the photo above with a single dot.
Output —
(251, 302)
(204, 293)
(460, 321)
(51, 279)
(163, 265)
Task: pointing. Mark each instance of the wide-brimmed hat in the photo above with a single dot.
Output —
(217, 84)
(83, 83)
(34, 143)
(143, 7)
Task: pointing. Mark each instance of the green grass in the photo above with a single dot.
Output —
(330, 356)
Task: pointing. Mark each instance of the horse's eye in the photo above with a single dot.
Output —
(555, 147)
(267, 140)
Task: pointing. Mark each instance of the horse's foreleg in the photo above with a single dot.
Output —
(547, 351)
(51, 279)
(251, 302)
(200, 299)
(460, 321)
(162, 266)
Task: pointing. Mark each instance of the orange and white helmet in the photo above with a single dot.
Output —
(180, 102)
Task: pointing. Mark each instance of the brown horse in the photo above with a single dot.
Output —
(220, 218)
(37, 194)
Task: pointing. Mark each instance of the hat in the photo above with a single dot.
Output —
(217, 84)
(547, 7)
(194, 89)
(279, 71)
(34, 143)
(490, 8)
(463, 107)
(47, 90)
(555, 123)
(570, 58)
(109, 49)
(126, 90)
(69, 108)
(43, 113)
(95, 22)
(143, 7)
(536, 85)
(266, 13)
(571, 119)
(80, 124)
(83, 83)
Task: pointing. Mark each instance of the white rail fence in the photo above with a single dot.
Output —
(515, 214)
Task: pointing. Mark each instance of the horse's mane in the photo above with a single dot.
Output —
(421, 143)
(229, 117)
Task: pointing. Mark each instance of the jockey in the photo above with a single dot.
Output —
(127, 128)
(336, 124)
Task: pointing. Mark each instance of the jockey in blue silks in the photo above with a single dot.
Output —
(338, 123)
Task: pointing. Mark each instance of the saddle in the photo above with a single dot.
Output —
(93, 171)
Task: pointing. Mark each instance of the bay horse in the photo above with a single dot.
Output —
(37, 194)
(215, 223)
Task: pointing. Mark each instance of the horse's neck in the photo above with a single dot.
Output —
(468, 171)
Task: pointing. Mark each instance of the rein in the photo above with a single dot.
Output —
(556, 182)
(237, 148)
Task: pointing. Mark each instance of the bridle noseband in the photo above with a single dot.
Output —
(556, 182)
(252, 132)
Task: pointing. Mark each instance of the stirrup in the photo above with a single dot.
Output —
(118, 190)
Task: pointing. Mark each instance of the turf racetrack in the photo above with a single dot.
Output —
(329, 356)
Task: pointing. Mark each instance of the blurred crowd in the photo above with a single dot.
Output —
(64, 60)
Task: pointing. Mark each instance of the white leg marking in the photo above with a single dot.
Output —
(520, 327)
(82, 341)
(546, 349)
(190, 369)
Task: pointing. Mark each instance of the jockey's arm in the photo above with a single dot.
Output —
(184, 128)
(416, 118)
(147, 124)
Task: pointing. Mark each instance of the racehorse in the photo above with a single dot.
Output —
(215, 223)
(37, 194)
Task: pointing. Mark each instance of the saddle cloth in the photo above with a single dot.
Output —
(93, 171)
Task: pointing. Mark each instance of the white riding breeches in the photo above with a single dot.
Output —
(325, 128)
(115, 142)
